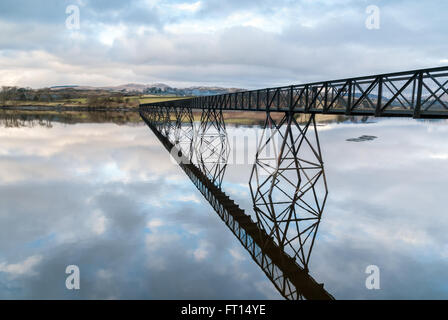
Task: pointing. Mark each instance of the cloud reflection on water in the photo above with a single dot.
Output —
(108, 199)
(385, 207)
(85, 194)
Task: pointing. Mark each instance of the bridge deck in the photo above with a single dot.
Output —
(418, 93)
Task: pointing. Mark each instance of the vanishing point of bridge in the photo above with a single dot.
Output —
(287, 182)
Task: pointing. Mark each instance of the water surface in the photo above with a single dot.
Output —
(103, 194)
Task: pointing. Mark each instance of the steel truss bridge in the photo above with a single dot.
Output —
(287, 182)
(419, 94)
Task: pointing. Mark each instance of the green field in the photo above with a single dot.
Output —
(154, 99)
(125, 101)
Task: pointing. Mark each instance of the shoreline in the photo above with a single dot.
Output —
(67, 108)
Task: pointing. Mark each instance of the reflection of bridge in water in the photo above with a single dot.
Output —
(281, 239)
(287, 182)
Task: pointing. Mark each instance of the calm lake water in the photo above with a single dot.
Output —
(104, 195)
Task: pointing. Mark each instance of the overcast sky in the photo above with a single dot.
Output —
(234, 43)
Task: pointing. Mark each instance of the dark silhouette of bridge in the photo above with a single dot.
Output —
(418, 93)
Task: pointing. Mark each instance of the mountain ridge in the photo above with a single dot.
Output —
(153, 88)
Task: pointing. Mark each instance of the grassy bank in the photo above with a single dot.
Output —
(94, 101)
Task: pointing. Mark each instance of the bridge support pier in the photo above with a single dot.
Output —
(288, 184)
(212, 146)
(206, 144)
(184, 133)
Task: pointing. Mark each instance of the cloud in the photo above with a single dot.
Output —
(154, 223)
(189, 198)
(98, 222)
(233, 43)
(202, 251)
(26, 267)
(237, 254)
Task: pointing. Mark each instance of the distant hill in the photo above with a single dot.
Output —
(156, 88)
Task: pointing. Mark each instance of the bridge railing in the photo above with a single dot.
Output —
(418, 93)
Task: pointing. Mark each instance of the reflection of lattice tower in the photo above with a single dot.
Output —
(162, 119)
(154, 116)
(154, 112)
(158, 117)
(288, 184)
(212, 145)
(150, 115)
(184, 131)
(168, 117)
